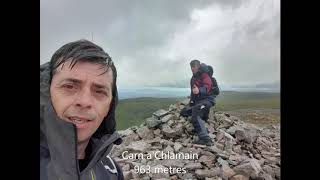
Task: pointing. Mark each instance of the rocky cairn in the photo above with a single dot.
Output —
(161, 148)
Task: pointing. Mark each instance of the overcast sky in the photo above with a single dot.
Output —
(152, 42)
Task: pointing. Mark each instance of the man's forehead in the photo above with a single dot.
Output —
(85, 70)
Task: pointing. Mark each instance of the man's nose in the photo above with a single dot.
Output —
(84, 99)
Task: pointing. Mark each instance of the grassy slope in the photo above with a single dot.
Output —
(131, 112)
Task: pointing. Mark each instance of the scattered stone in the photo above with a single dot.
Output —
(173, 163)
(192, 166)
(239, 177)
(169, 132)
(240, 151)
(145, 133)
(177, 146)
(157, 132)
(131, 138)
(160, 113)
(138, 146)
(207, 160)
(203, 173)
(249, 167)
(126, 167)
(167, 118)
(226, 171)
(126, 132)
(127, 175)
(152, 122)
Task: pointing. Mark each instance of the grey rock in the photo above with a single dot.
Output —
(168, 149)
(126, 167)
(160, 113)
(145, 177)
(240, 134)
(226, 171)
(175, 177)
(239, 177)
(220, 146)
(133, 137)
(170, 123)
(231, 130)
(158, 171)
(127, 175)
(152, 122)
(167, 118)
(249, 167)
(177, 146)
(222, 162)
(173, 163)
(192, 166)
(214, 149)
(207, 160)
(223, 155)
(134, 174)
(179, 128)
(267, 169)
(223, 120)
(186, 176)
(138, 146)
(126, 132)
(237, 149)
(277, 172)
(172, 107)
(238, 158)
(271, 160)
(265, 176)
(203, 173)
(145, 133)
(169, 132)
(157, 132)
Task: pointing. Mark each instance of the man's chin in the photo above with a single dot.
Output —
(82, 139)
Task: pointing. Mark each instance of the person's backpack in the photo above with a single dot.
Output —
(208, 69)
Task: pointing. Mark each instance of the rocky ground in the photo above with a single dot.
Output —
(161, 148)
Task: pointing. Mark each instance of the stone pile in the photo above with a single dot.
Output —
(161, 148)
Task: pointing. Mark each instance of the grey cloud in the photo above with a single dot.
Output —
(139, 35)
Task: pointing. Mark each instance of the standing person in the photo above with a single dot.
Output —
(78, 97)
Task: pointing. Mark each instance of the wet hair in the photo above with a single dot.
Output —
(87, 51)
(194, 62)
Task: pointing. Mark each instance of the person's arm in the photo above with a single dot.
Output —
(207, 84)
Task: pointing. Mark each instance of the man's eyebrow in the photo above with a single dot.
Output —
(70, 80)
(101, 86)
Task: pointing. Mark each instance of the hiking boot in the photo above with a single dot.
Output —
(207, 142)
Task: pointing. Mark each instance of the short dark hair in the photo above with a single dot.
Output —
(81, 50)
(86, 51)
(194, 62)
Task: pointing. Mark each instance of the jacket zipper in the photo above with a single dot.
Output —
(92, 174)
(76, 150)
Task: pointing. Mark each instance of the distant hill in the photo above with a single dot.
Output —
(133, 111)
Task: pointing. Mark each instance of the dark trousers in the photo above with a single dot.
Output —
(199, 112)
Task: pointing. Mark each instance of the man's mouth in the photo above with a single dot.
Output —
(79, 121)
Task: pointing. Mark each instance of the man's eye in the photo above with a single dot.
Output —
(68, 86)
(101, 92)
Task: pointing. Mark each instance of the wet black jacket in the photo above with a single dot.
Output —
(58, 143)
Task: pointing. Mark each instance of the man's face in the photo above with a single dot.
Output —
(82, 96)
(195, 68)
